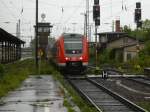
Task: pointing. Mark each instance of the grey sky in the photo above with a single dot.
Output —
(70, 19)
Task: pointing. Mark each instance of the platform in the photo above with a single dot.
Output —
(36, 94)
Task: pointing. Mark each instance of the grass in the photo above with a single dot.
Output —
(82, 104)
(68, 105)
(145, 105)
(12, 75)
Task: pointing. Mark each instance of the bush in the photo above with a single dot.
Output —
(1, 70)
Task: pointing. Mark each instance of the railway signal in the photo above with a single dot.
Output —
(97, 22)
(96, 2)
(138, 5)
(137, 15)
(96, 12)
(96, 18)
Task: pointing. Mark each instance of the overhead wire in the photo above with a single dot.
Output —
(56, 5)
(61, 17)
(13, 7)
(73, 13)
(118, 13)
(9, 11)
(64, 22)
(70, 16)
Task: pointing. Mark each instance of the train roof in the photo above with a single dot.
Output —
(72, 35)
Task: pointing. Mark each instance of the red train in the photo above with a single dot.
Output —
(70, 52)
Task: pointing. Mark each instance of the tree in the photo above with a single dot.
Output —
(126, 29)
(146, 24)
(142, 33)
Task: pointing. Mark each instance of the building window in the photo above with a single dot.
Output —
(39, 29)
(46, 29)
(129, 56)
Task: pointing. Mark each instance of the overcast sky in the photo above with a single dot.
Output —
(67, 15)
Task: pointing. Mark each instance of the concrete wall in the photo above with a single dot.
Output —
(120, 42)
(131, 51)
(127, 45)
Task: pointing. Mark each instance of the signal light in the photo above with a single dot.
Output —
(137, 17)
(97, 22)
(96, 2)
(138, 4)
(96, 11)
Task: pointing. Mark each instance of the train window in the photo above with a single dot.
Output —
(73, 47)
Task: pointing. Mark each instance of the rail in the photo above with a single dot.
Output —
(142, 80)
(118, 97)
(102, 98)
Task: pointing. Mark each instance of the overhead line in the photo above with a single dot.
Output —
(118, 13)
(8, 10)
(14, 7)
(56, 5)
(71, 16)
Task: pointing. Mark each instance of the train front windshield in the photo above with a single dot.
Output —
(73, 47)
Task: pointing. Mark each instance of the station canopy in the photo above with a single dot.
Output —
(5, 36)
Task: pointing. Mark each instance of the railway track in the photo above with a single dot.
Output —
(102, 98)
(142, 80)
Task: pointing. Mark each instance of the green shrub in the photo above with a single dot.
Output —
(68, 105)
(1, 70)
(145, 105)
(14, 73)
(82, 104)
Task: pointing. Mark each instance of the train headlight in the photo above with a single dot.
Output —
(66, 58)
(81, 58)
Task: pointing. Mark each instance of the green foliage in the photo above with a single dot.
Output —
(84, 107)
(145, 105)
(142, 34)
(67, 104)
(1, 70)
(146, 24)
(147, 48)
(137, 64)
(45, 68)
(12, 78)
(144, 56)
(92, 55)
(108, 57)
(126, 29)
(15, 73)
